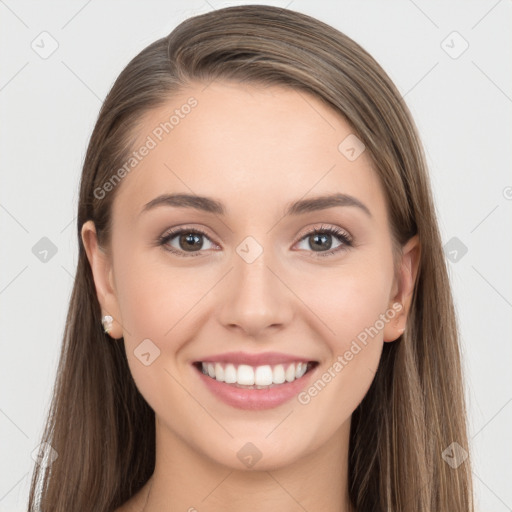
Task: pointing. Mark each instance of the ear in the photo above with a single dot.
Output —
(404, 288)
(101, 266)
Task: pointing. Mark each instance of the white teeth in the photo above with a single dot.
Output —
(258, 377)
(278, 376)
(263, 376)
(245, 375)
(230, 374)
(219, 372)
(300, 370)
(290, 373)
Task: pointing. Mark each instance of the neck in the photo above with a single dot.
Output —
(190, 481)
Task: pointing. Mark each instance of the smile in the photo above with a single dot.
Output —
(255, 386)
(259, 377)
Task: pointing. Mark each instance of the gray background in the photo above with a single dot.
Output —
(461, 102)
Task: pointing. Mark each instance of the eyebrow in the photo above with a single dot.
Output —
(210, 205)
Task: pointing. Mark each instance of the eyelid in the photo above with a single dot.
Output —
(338, 231)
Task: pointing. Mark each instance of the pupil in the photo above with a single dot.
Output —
(324, 238)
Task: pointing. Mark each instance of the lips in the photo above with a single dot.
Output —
(255, 381)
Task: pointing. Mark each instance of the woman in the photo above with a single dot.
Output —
(261, 316)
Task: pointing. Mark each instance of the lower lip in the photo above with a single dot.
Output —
(256, 399)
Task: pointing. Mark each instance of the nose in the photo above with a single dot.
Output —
(255, 299)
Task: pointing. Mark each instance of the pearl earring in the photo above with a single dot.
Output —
(107, 323)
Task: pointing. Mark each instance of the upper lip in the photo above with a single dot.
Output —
(260, 359)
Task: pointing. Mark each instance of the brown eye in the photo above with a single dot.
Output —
(183, 241)
(190, 241)
(320, 240)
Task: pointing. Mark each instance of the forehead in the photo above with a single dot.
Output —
(251, 146)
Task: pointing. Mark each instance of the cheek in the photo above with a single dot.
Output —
(352, 304)
(155, 297)
(158, 305)
(150, 307)
(347, 300)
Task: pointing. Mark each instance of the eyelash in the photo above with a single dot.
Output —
(336, 232)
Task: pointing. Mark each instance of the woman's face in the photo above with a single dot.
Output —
(248, 286)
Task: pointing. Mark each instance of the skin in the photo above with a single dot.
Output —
(256, 150)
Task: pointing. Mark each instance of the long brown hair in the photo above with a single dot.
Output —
(100, 426)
